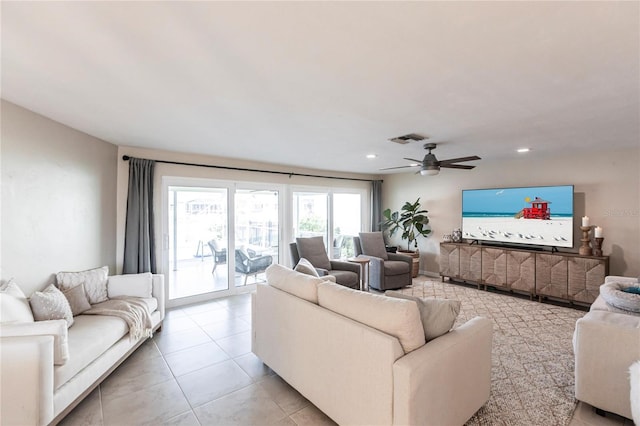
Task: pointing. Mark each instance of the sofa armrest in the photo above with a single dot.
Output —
(617, 279)
(54, 328)
(157, 291)
(376, 268)
(339, 265)
(605, 345)
(26, 380)
(453, 367)
(401, 257)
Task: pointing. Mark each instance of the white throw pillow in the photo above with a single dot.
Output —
(95, 282)
(293, 282)
(305, 267)
(55, 328)
(134, 285)
(634, 371)
(437, 315)
(50, 304)
(396, 317)
(14, 305)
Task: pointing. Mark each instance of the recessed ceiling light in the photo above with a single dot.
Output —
(523, 150)
(371, 156)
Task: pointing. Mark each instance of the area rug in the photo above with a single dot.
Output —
(532, 373)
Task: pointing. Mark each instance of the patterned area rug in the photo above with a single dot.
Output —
(532, 374)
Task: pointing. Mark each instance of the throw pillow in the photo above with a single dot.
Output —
(77, 298)
(95, 282)
(306, 267)
(437, 315)
(313, 250)
(50, 304)
(14, 306)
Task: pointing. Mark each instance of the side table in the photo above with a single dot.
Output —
(364, 271)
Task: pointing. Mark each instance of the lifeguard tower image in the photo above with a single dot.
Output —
(539, 210)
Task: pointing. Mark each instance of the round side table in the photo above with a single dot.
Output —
(364, 271)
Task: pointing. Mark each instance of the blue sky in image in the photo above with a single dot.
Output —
(512, 200)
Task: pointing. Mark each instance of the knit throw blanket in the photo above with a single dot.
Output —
(132, 310)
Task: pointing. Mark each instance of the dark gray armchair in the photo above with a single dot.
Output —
(313, 249)
(248, 263)
(387, 270)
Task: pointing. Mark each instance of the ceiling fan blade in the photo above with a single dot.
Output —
(460, 160)
(457, 166)
(399, 167)
(414, 160)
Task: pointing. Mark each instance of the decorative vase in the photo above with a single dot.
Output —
(456, 236)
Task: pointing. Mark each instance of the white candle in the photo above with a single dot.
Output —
(585, 220)
(598, 232)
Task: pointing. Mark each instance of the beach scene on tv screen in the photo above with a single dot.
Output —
(533, 215)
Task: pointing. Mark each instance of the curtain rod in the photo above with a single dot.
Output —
(242, 169)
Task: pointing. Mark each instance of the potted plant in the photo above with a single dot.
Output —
(413, 222)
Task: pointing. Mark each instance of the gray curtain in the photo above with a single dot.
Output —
(376, 205)
(139, 244)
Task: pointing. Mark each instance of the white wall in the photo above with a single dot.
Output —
(58, 199)
(607, 189)
(170, 170)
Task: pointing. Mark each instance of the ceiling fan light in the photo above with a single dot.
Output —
(429, 172)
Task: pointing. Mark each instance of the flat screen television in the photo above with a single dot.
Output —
(537, 215)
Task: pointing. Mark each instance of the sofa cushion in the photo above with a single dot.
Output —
(89, 338)
(395, 267)
(77, 298)
(437, 315)
(135, 285)
(95, 282)
(313, 250)
(14, 306)
(55, 328)
(293, 282)
(396, 317)
(372, 244)
(50, 304)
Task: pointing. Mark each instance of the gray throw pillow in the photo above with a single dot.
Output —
(50, 304)
(314, 251)
(437, 315)
(372, 244)
(306, 267)
(77, 298)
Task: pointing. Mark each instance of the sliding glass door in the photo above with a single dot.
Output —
(219, 237)
(335, 216)
(197, 240)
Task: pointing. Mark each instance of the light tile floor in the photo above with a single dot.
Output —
(199, 370)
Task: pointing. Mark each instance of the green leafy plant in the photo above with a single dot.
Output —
(410, 219)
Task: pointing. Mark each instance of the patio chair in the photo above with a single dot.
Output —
(219, 254)
(248, 263)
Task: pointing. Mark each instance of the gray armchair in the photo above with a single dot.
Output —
(312, 249)
(387, 270)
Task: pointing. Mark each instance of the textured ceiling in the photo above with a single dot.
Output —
(322, 84)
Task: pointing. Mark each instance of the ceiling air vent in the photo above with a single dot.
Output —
(408, 138)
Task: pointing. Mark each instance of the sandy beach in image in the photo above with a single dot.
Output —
(555, 231)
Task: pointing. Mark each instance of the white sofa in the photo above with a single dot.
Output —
(359, 375)
(606, 343)
(37, 392)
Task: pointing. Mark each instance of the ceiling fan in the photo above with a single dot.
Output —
(430, 165)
